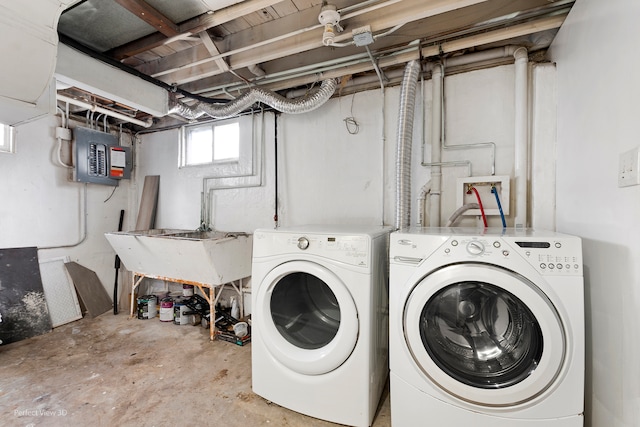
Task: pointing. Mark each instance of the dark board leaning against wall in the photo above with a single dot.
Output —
(23, 308)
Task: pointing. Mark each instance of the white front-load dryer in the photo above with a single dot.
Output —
(320, 320)
(486, 328)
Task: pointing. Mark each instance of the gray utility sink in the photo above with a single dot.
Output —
(206, 257)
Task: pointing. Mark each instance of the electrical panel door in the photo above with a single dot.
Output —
(99, 159)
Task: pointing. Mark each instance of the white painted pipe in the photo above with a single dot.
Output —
(424, 193)
(101, 110)
(485, 55)
(437, 77)
(521, 135)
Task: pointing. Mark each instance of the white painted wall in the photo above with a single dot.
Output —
(327, 175)
(242, 209)
(597, 120)
(41, 207)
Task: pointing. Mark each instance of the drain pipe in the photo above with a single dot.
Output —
(403, 153)
(437, 77)
(521, 141)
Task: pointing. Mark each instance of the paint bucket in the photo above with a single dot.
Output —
(166, 310)
(152, 306)
(187, 290)
(143, 307)
(179, 313)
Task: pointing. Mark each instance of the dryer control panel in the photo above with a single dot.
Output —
(350, 249)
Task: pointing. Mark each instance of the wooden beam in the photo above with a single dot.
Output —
(192, 26)
(202, 87)
(151, 16)
(213, 50)
(245, 50)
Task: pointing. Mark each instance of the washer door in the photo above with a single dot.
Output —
(307, 316)
(484, 334)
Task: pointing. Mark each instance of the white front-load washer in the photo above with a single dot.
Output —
(486, 328)
(320, 320)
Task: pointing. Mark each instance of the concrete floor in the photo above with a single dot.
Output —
(116, 371)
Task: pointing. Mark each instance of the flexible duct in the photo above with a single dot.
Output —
(462, 209)
(403, 153)
(300, 105)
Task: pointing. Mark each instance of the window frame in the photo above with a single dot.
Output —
(242, 166)
(7, 143)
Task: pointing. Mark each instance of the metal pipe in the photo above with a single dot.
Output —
(437, 77)
(521, 140)
(84, 214)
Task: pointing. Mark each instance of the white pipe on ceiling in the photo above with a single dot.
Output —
(262, 43)
(101, 110)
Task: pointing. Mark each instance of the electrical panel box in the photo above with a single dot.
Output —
(99, 159)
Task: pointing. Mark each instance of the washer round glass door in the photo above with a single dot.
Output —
(484, 334)
(308, 317)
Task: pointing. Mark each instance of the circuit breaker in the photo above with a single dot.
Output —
(99, 159)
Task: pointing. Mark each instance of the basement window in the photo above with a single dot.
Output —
(6, 139)
(211, 143)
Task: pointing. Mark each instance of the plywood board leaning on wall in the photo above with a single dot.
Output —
(23, 307)
(92, 294)
(145, 221)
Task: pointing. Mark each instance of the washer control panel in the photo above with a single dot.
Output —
(548, 256)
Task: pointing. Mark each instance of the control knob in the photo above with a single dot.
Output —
(303, 243)
(475, 248)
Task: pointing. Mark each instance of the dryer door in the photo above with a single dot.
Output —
(307, 316)
(484, 334)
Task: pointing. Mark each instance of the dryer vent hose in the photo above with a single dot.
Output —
(309, 102)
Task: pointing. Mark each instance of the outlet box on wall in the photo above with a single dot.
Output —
(629, 168)
(483, 184)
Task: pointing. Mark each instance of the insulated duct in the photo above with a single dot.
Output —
(403, 153)
(303, 104)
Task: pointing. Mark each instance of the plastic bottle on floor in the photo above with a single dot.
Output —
(235, 310)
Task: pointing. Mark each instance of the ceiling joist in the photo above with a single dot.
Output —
(192, 26)
(151, 16)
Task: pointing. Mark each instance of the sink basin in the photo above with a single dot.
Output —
(206, 257)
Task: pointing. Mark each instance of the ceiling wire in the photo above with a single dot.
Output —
(352, 125)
